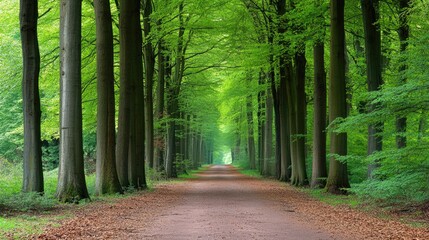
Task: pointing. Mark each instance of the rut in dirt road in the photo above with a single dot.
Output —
(223, 204)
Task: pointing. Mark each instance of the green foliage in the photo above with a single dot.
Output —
(24, 202)
(409, 188)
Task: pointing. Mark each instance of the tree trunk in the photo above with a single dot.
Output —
(319, 173)
(130, 147)
(404, 33)
(71, 177)
(172, 112)
(261, 121)
(159, 149)
(106, 175)
(268, 143)
(250, 135)
(337, 178)
(139, 179)
(370, 13)
(301, 110)
(149, 67)
(33, 170)
(284, 74)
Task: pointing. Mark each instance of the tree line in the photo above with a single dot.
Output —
(121, 153)
(253, 78)
(313, 105)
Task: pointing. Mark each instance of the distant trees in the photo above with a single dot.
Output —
(197, 79)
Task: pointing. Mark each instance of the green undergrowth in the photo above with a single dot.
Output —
(192, 174)
(26, 214)
(250, 172)
(412, 217)
(350, 200)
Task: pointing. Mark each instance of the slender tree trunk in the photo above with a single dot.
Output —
(106, 175)
(338, 177)
(173, 102)
(370, 13)
(33, 170)
(319, 173)
(149, 67)
(172, 109)
(125, 101)
(139, 179)
(268, 143)
(159, 150)
(71, 177)
(301, 110)
(274, 94)
(261, 121)
(284, 75)
(404, 33)
(250, 135)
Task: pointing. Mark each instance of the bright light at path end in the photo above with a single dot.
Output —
(227, 158)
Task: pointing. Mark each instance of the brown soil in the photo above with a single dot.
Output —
(223, 204)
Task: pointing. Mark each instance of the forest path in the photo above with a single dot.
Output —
(224, 204)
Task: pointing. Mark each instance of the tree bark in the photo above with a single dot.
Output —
(284, 74)
(106, 175)
(71, 177)
(300, 178)
(172, 112)
(159, 149)
(250, 135)
(261, 121)
(173, 102)
(338, 177)
(404, 33)
(370, 13)
(268, 143)
(130, 147)
(33, 170)
(139, 179)
(319, 173)
(149, 67)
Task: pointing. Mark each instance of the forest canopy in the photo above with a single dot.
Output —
(327, 94)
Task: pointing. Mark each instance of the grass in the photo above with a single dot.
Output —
(192, 174)
(250, 173)
(26, 214)
(331, 199)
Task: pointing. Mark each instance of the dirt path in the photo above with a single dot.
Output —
(223, 204)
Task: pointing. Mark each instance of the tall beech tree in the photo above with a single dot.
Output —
(284, 75)
(173, 86)
(370, 13)
(158, 160)
(130, 146)
(337, 177)
(404, 34)
(149, 63)
(106, 175)
(71, 178)
(33, 171)
(250, 133)
(319, 172)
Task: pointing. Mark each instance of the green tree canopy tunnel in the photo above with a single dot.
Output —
(122, 88)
